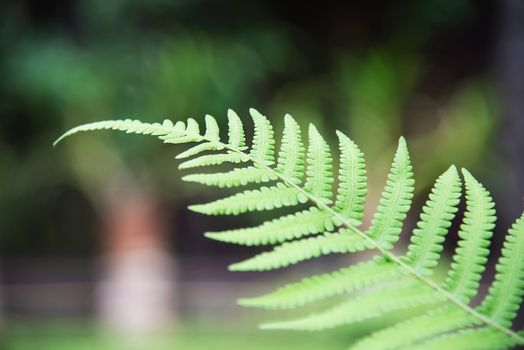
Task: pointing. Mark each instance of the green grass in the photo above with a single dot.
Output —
(77, 336)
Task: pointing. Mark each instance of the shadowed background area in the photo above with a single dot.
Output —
(96, 243)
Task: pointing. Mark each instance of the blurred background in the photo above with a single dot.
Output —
(97, 248)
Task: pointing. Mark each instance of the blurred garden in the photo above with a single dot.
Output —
(97, 247)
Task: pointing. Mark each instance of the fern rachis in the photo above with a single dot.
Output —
(297, 177)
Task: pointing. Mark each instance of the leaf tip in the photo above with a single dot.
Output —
(231, 113)
(288, 119)
(452, 170)
(254, 113)
(214, 236)
(312, 129)
(466, 172)
(197, 208)
(57, 141)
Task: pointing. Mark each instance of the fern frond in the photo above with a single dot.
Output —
(505, 295)
(180, 136)
(263, 141)
(192, 127)
(470, 339)
(193, 151)
(233, 178)
(403, 335)
(435, 219)
(395, 201)
(475, 232)
(291, 155)
(319, 167)
(307, 222)
(212, 134)
(211, 159)
(236, 136)
(352, 176)
(212, 129)
(318, 287)
(369, 305)
(128, 125)
(319, 227)
(293, 252)
(265, 198)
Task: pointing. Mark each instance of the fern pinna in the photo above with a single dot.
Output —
(330, 224)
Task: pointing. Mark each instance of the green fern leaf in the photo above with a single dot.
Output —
(372, 304)
(395, 201)
(291, 155)
(192, 127)
(403, 335)
(387, 282)
(193, 151)
(505, 295)
(352, 190)
(236, 131)
(470, 339)
(212, 129)
(292, 226)
(265, 198)
(211, 159)
(180, 136)
(475, 233)
(263, 142)
(318, 287)
(293, 252)
(435, 219)
(233, 178)
(319, 168)
(127, 125)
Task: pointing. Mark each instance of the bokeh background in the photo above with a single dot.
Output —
(97, 248)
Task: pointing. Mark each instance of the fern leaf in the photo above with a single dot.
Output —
(366, 306)
(236, 136)
(435, 219)
(293, 252)
(291, 155)
(193, 151)
(386, 283)
(352, 190)
(346, 280)
(192, 127)
(212, 159)
(395, 201)
(263, 148)
(475, 233)
(405, 334)
(470, 339)
(212, 129)
(306, 222)
(265, 198)
(319, 168)
(212, 134)
(505, 294)
(180, 135)
(128, 125)
(233, 178)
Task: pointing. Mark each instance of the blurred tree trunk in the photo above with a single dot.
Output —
(510, 67)
(136, 294)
